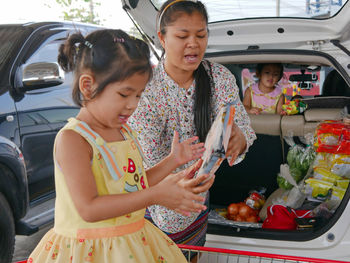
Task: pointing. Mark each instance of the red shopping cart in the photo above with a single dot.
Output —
(219, 255)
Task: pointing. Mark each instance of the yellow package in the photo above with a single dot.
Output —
(326, 175)
(321, 160)
(342, 183)
(337, 193)
(318, 189)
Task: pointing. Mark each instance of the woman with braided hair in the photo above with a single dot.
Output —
(184, 96)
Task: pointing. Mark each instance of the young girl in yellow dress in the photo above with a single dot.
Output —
(102, 188)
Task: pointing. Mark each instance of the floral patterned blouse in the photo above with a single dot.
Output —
(165, 107)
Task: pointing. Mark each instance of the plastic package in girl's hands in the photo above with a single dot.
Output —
(216, 142)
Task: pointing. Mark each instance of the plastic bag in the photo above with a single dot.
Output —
(326, 209)
(217, 218)
(299, 160)
(282, 217)
(333, 137)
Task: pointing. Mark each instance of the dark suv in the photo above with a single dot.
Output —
(35, 102)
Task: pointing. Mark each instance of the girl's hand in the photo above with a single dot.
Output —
(237, 143)
(183, 199)
(186, 190)
(255, 111)
(199, 184)
(185, 151)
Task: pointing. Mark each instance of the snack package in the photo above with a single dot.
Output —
(216, 141)
(333, 137)
(256, 199)
(295, 106)
(340, 164)
(318, 189)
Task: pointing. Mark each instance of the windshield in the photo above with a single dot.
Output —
(220, 10)
(11, 37)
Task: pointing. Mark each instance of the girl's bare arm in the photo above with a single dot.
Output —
(74, 156)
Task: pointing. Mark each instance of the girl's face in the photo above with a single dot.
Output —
(185, 42)
(269, 76)
(114, 105)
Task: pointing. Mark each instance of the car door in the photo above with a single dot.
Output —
(41, 113)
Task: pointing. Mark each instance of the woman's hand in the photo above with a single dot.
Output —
(236, 145)
(185, 151)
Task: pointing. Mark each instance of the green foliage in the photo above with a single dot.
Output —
(80, 10)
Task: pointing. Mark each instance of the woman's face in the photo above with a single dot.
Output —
(185, 42)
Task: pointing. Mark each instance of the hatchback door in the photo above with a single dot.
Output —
(260, 25)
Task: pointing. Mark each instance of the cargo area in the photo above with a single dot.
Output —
(276, 136)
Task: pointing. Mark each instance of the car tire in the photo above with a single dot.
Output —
(7, 231)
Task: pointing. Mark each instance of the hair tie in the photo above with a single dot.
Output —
(88, 44)
(119, 40)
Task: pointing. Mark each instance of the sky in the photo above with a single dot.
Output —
(110, 12)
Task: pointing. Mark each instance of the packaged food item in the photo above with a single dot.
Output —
(340, 165)
(333, 137)
(342, 183)
(326, 175)
(337, 193)
(255, 200)
(318, 189)
(295, 106)
(216, 141)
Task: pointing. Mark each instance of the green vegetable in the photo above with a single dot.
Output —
(283, 183)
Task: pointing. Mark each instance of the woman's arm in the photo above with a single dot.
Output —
(74, 154)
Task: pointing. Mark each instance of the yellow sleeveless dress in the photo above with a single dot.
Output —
(118, 169)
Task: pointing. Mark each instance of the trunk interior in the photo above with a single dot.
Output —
(262, 163)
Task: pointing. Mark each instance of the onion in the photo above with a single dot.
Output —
(233, 209)
(252, 219)
(244, 211)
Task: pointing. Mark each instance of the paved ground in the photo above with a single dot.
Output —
(25, 245)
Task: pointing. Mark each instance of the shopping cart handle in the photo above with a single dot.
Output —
(256, 254)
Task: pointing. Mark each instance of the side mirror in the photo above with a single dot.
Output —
(42, 75)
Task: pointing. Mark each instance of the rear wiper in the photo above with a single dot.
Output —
(336, 43)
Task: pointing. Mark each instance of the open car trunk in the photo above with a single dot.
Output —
(261, 166)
